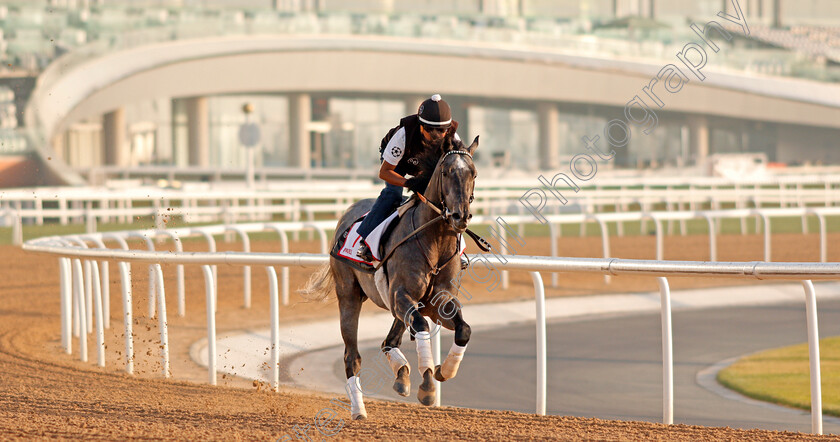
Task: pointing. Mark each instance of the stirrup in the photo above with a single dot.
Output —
(465, 262)
(364, 253)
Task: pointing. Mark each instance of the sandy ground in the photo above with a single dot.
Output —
(48, 394)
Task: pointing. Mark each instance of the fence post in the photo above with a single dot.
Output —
(97, 304)
(164, 328)
(90, 218)
(814, 357)
(667, 353)
(275, 327)
(17, 229)
(125, 278)
(65, 277)
(210, 289)
(246, 272)
(552, 228)
(712, 240)
(539, 294)
(79, 301)
(823, 237)
(605, 239)
(767, 240)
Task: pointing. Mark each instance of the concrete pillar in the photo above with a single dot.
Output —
(114, 138)
(699, 138)
(300, 115)
(163, 132)
(752, 9)
(460, 113)
(500, 7)
(57, 143)
(198, 131)
(548, 120)
(622, 8)
(412, 103)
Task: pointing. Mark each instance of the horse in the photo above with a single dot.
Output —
(422, 276)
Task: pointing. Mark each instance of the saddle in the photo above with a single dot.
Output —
(349, 240)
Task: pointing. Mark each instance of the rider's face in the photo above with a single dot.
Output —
(433, 134)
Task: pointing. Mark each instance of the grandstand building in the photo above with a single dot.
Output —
(99, 85)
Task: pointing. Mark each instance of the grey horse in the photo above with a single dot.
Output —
(422, 278)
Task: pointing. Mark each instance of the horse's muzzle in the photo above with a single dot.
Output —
(458, 220)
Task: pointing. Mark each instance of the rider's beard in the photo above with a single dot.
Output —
(432, 144)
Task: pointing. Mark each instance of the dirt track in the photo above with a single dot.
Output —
(46, 393)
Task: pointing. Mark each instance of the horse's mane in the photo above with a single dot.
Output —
(428, 160)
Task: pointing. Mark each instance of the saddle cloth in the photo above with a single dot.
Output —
(352, 242)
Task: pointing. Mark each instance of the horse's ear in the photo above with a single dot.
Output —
(453, 127)
(474, 146)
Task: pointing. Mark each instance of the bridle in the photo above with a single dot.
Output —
(444, 215)
(444, 211)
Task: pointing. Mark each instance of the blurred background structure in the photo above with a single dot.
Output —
(92, 90)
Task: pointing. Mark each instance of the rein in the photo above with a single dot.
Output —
(407, 237)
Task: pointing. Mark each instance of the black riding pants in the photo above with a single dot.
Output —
(389, 199)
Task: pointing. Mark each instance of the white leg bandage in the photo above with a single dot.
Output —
(424, 352)
(397, 360)
(449, 368)
(357, 404)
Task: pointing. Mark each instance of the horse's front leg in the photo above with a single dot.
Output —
(406, 308)
(396, 359)
(450, 365)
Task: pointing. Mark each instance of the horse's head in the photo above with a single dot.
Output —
(455, 175)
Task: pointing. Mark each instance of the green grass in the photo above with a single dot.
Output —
(694, 227)
(781, 376)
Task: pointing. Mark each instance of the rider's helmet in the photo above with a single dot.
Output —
(435, 113)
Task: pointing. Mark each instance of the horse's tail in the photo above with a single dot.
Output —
(320, 284)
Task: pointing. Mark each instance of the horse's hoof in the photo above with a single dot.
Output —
(402, 385)
(438, 375)
(426, 398)
(426, 392)
(359, 417)
(402, 389)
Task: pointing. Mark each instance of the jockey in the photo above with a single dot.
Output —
(399, 151)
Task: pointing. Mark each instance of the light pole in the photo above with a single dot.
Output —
(249, 136)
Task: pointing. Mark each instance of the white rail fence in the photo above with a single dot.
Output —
(712, 218)
(199, 204)
(493, 203)
(268, 176)
(83, 294)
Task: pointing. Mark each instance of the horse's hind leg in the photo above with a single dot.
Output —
(350, 300)
(396, 359)
(406, 309)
